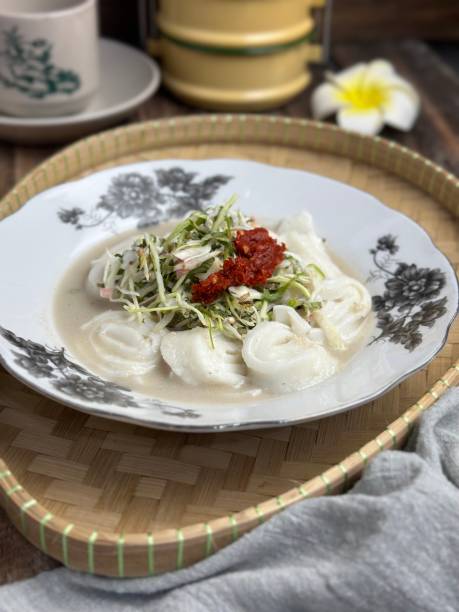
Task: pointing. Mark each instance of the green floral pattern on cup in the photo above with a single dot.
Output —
(30, 69)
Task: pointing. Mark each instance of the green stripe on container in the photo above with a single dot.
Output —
(48, 516)
(120, 555)
(234, 527)
(91, 541)
(151, 554)
(280, 501)
(241, 51)
(180, 546)
(5, 474)
(25, 506)
(209, 542)
(65, 544)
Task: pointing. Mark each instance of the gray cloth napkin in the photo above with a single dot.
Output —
(392, 543)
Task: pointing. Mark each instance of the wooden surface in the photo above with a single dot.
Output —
(353, 20)
(370, 20)
(434, 136)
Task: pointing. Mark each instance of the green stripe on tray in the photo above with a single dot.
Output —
(326, 482)
(65, 544)
(120, 555)
(209, 542)
(48, 516)
(362, 454)
(393, 435)
(91, 541)
(234, 527)
(25, 506)
(303, 491)
(261, 516)
(419, 406)
(151, 554)
(180, 547)
(240, 51)
(343, 468)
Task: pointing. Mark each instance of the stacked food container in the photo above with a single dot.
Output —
(236, 54)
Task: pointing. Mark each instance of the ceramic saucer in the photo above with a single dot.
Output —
(128, 78)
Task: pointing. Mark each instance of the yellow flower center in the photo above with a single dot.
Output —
(362, 95)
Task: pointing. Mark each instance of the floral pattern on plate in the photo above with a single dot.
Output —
(407, 303)
(169, 193)
(75, 381)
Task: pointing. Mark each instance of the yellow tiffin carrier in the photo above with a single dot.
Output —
(236, 54)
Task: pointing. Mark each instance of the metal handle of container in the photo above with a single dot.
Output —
(320, 52)
(147, 10)
(154, 47)
(315, 52)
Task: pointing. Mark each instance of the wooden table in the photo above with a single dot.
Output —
(435, 136)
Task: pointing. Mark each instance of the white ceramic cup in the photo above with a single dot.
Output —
(49, 64)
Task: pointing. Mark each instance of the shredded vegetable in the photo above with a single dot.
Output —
(155, 277)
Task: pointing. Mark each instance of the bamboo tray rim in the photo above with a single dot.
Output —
(26, 511)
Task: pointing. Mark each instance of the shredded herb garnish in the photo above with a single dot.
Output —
(155, 276)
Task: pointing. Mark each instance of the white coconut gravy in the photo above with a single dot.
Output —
(266, 367)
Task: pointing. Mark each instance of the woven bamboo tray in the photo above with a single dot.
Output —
(120, 500)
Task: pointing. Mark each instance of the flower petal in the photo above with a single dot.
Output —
(325, 101)
(349, 74)
(367, 122)
(380, 69)
(401, 109)
(382, 72)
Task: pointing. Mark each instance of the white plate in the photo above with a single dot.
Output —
(128, 78)
(40, 241)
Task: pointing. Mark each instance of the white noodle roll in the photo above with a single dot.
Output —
(301, 239)
(122, 345)
(191, 357)
(286, 354)
(96, 272)
(345, 306)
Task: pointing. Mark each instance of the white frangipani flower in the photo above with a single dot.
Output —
(365, 97)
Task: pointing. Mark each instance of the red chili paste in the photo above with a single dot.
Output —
(258, 255)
